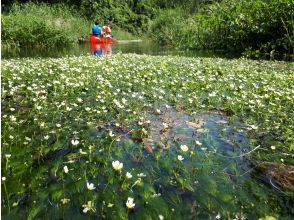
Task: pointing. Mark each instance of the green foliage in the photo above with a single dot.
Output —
(165, 28)
(121, 34)
(257, 27)
(132, 16)
(43, 25)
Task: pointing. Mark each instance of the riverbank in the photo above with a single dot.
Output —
(42, 25)
(187, 130)
(242, 27)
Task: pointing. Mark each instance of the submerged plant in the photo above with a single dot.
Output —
(196, 135)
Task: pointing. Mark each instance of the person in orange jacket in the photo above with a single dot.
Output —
(107, 30)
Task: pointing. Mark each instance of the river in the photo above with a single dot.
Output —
(123, 46)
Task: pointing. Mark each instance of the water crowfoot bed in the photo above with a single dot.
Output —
(147, 137)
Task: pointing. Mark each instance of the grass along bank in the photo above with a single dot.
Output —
(56, 25)
(42, 25)
(186, 131)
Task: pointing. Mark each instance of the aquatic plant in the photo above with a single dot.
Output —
(101, 138)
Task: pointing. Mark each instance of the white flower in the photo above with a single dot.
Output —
(110, 133)
(46, 137)
(124, 100)
(80, 100)
(254, 127)
(82, 152)
(75, 142)
(11, 137)
(141, 175)
(90, 186)
(117, 165)
(198, 143)
(130, 203)
(156, 195)
(3, 178)
(68, 108)
(184, 148)
(273, 147)
(165, 125)
(144, 131)
(65, 169)
(87, 109)
(180, 158)
(109, 205)
(128, 175)
(64, 201)
(161, 217)
(12, 118)
(218, 216)
(58, 125)
(88, 207)
(7, 155)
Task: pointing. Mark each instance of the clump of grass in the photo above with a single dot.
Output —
(121, 34)
(42, 25)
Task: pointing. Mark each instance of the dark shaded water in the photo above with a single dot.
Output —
(135, 46)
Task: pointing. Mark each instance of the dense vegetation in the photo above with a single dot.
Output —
(256, 27)
(149, 137)
(146, 137)
(42, 25)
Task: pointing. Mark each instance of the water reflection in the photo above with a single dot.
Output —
(133, 46)
(101, 49)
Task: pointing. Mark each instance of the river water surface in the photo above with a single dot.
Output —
(123, 46)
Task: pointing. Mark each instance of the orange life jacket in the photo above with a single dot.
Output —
(107, 30)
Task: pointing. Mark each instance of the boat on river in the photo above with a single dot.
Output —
(105, 40)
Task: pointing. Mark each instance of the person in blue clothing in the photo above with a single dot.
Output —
(96, 30)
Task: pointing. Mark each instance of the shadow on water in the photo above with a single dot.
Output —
(132, 46)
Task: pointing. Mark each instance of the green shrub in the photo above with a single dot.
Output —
(42, 25)
(165, 28)
(259, 26)
(130, 16)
